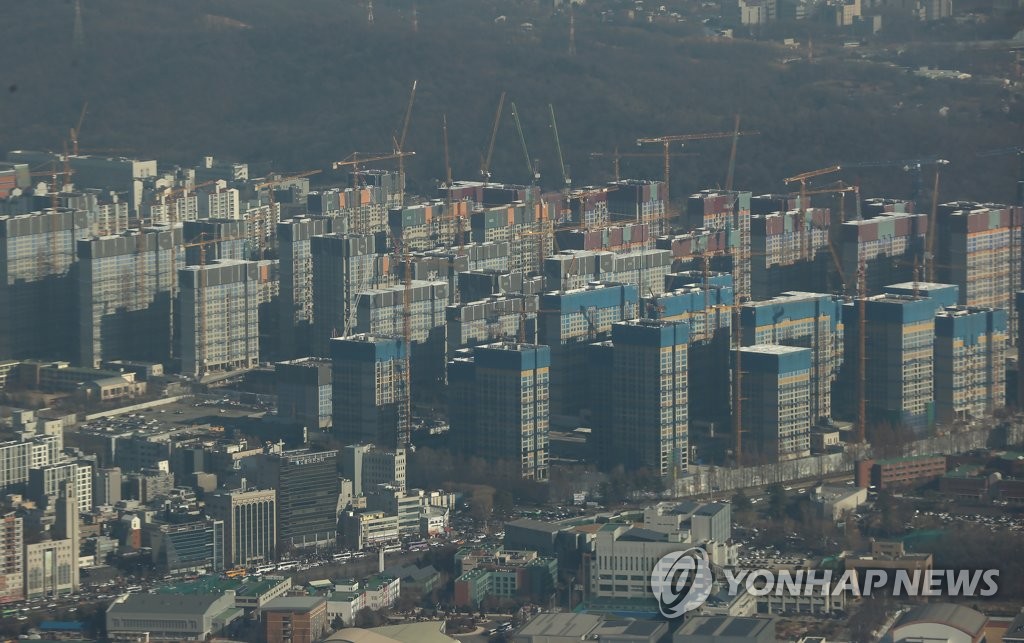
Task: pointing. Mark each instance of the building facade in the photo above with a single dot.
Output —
(250, 524)
(776, 392)
(367, 372)
(304, 391)
(970, 356)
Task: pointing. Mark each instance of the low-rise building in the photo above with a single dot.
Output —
(834, 501)
(898, 472)
(494, 572)
(295, 619)
(726, 629)
(890, 554)
(171, 617)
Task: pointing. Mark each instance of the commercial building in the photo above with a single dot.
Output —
(106, 486)
(623, 558)
(343, 266)
(499, 404)
(304, 391)
(250, 524)
(970, 357)
(367, 380)
(639, 388)
(307, 494)
(219, 312)
(980, 251)
(570, 320)
(503, 574)
(776, 395)
(367, 466)
(899, 358)
(18, 457)
(124, 296)
(44, 483)
(368, 529)
(789, 251)
(295, 619)
(171, 617)
(36, 253)
(807, 320)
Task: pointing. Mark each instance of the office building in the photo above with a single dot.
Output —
(367, 386)
(472, 323)
(618, 551)
(499, 405)
(368, 529)
(307, 494)
(219, 313)
(295, 303)
(570, 320)
(727, 212)
(776, 397)
(970, 356)
(789, 251)
(124, 296)
(639, 389)
(395, 501)
(368, 466)
(12, 558)
(250, 524)
(37, 251)
(899, 358)
(343, 266)
(807, 320)
(980, 251)
(193, 546)
(886, 246)
(51, 568)
(304, 391)
(18, 457)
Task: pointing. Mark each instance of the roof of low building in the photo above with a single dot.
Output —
(959, 617)
(293, 604)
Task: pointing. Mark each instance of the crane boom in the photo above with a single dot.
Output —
(558, 147)
(731, 172)
(485, 167)
(534, 175)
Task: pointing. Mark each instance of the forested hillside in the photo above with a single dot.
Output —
(296, 84)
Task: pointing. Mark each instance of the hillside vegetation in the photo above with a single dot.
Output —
(295, 85)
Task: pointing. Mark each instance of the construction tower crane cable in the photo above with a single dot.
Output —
(566, 180)
(616, 157)
(803, 178)
(400, 144)
(731, 171)
(77, 129)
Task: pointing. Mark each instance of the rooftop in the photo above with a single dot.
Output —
(166, 604)
(293, 604)
(962, 618)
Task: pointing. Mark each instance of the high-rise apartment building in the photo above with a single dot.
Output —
(471, 323)
(727, 212)
(343, 266)
(807, 320)
(366, 375)
(295, 303)
(776, 392)
(250, 524)
(567, 322)
(639, 390)
(304, 391)
(899, 358)
(219, 313)
(980, 251)
(307, 487)
(970, 355)
(380, 311)
(639, 201)
(789, 251)
(498, 405)
(37, 251)
(886, 246)
(222, 239)
(124, 296)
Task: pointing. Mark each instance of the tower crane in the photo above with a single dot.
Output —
(842, 190)
(531, 165)
(666, 143)
(558, 146)
(77, 129)
(616, 157)
(356, 160)
(400, 144)
(485, 162)
(913, 166)
(803, 178)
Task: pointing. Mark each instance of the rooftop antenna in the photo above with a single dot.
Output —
(369, 15)
(78, 39)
